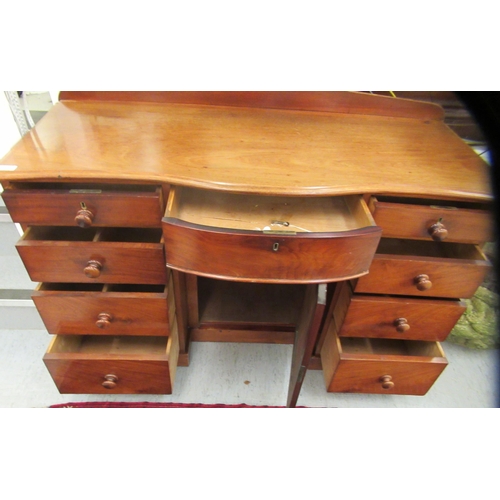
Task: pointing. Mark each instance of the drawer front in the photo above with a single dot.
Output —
(100, 372)
(82, 376)
(268, 258)
(422, 277)
(379, 371)
(400, 318)
(69, 261)
(82, 312)
(369, 376)
(425, 269)
(432, 222)
(142, 207)
(268, 239)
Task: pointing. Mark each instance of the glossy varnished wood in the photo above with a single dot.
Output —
(399, 218)
(306, 336)
(140, 365)
(252, 257)
(131, 310)
(51, 206)
(339, 102)
(453, 270)
(361, 365)
(249, 150)
(376, 316)
(53, 256)
(236, 237)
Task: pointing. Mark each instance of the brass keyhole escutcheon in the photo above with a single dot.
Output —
(276, 247)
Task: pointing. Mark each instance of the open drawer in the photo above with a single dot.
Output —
(105, 255)
(268, 239)
(85, 205)
(109, 309)
(380, 366)
(437, 220)
(395, 317)
(90, 364)
(425, 268)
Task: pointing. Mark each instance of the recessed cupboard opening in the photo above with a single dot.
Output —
(248, 305)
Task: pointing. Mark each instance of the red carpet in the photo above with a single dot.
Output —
(109, 404)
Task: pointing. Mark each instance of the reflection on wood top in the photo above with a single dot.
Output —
(253, 150)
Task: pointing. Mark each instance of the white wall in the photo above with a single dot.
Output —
(9, 133)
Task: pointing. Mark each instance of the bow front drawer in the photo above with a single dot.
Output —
(268, 239)
(85, 206)
(87, 364)
(76, 255)
(432, 220)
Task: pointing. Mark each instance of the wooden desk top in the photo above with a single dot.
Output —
(254, 150)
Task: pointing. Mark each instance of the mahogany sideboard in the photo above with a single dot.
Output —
(349, 225)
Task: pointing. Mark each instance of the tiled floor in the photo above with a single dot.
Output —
(219, 373)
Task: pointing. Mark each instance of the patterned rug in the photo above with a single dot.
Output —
(145, 404)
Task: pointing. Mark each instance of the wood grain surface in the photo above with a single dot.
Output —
(267, 151)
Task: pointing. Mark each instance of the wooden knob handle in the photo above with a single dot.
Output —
(103, 320)
(110, 381)
(387, 382)
(93, 269)
(423, 282)
(401, 325)
(438, 231)
(84, 218)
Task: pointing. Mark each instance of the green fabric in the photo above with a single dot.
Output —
(478, 328)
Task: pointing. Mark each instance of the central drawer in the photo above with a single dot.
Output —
(268, 239)
(107, 255)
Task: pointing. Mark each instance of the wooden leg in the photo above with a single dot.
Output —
(305, 338)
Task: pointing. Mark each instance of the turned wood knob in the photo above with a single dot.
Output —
(103, 320)
(401, 325)
(423, 282)
(93, 269)
(110, 381)
(387, 382)
(438, 231)
(84, 217)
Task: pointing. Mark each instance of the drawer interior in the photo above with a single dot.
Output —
(105, 345)
(442, 204)
(83, 187)
(130, 235)
(351, 345)
(393, 246)
(268, 213)
(100, 287)
(228, 302)
(50, 233)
